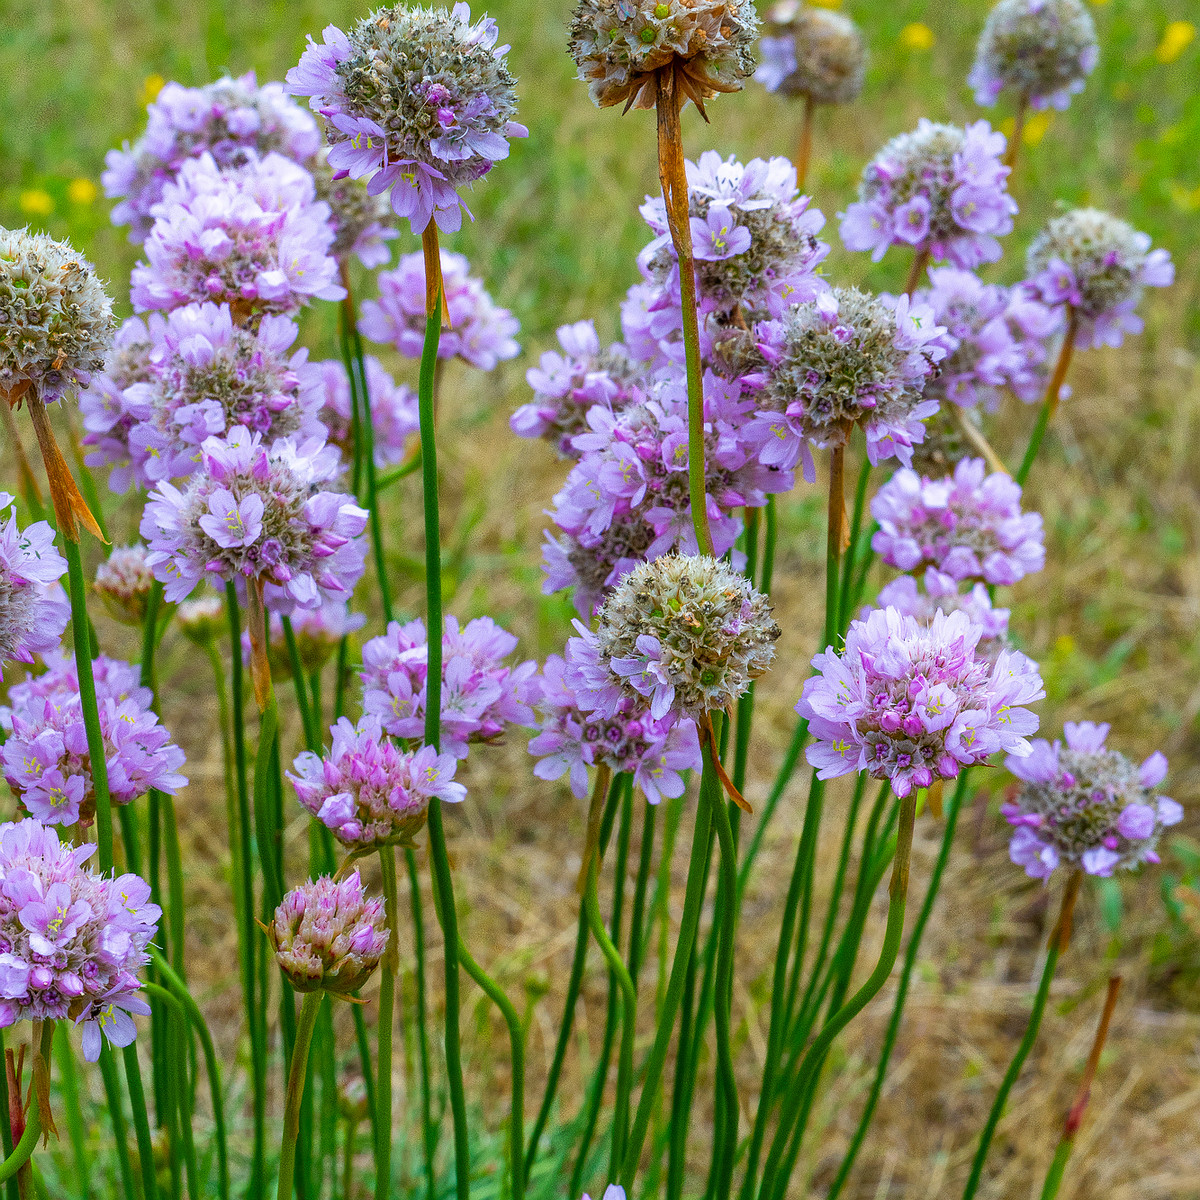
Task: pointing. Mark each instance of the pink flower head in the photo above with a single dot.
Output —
(33, 609)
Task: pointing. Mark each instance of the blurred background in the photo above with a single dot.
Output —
(1114, 619)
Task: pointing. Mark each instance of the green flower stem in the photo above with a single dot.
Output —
(833, 543)
(387, 1021)
(179, 1090)
(116, 1114)
(1059, 938)
(87, 699)
(769, 543)
(726, 1079)
(637, 938)
(69, 1087)
(910, 961)
(141, 1122)
(439, 857)
(673, 177)
(693, 900)
(6, 1133)
(310, 727)
(24, 1149)
(244, 883)
(297, 1075)
(516, 1038)
(429, 1131)
(682, 1091)
(1053, 394)
(774, 1182)
(845, 612)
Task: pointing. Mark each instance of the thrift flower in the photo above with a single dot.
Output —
(912, 702)
(942, 190)
(418, 100)
(1098, 265)
(123, 582)
(368, 792)
(811, 52)
(686, 633)
(570, 741)
(329, 936)
(1043, 50)
(480, 333)
(1084, 805)
(394, 414)
(33, 609)
(969, 526)
(254, 514)
(362, 222)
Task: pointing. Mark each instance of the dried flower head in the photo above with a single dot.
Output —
(843, 359)
(620, 45)
(362, 222)
(123, 583)
(1043, 50)
(256, 514)
(912, 702)
(418, 100)
(329, 936)
(33, 609)
(481, 333)
(369, 792)
(203, 620)
(73, 940)
(254, 237)
(1099, 265)
(394, 414)
(56, 320)
(231, 119)
(811, 52)
(942, 190)
(969, 525)
(686, 632)
(570, 741)
(1085, 805)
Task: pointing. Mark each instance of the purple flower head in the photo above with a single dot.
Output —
(942, 593)
(480, 695)
(369, 792)
(1043, 50)
(627, 500)
(124, 582)
(417, 100)
(253, 514)
(811, 52)
(328, 936)
(46, 758)
(969, 526)
(480, 333)
(232, 119)
(73, 940)
(33, 609)
(911, 702)
(254, 237)
(393, 410)
(567, 385)
(1084, 805)
(843, 359)
(942, 190)
(570, 741)
(755, 237)
(1099, 265)
(685, 634)
(1000, 338)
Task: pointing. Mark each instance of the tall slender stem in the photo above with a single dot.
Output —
(833, 542)
(804, 143)
(141, 1122)
(1059, 939)
(673, 177)
(387, 999)
(116, 1115)
(1052, 397)
(726, 1079)
(916, 271)
(1013, 152)
(429, 1131)
(297, 1076)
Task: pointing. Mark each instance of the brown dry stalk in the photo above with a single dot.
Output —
(68, 503)
(434, 287)
(706, 732)
(1075, 1116)
(1060, 936)
(1054, 388)
(804, 143)
(974, 435)
(256, 624)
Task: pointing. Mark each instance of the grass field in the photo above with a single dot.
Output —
(1114, 619)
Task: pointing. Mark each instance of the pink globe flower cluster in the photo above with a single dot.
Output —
(1000, 337)
(571, 740)
(369, 792)
(233, 120)
(417, 100)
(202, 374)
(46, 758)
(912, 702)
(567, 385)
(480, 694)
(942, 190)
(479, 332)
(258, 514)
(1082, 804)
(969, 526)
(254, 237)
(626, 500)
(33, 608)
(73, 940)
(394, 416)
